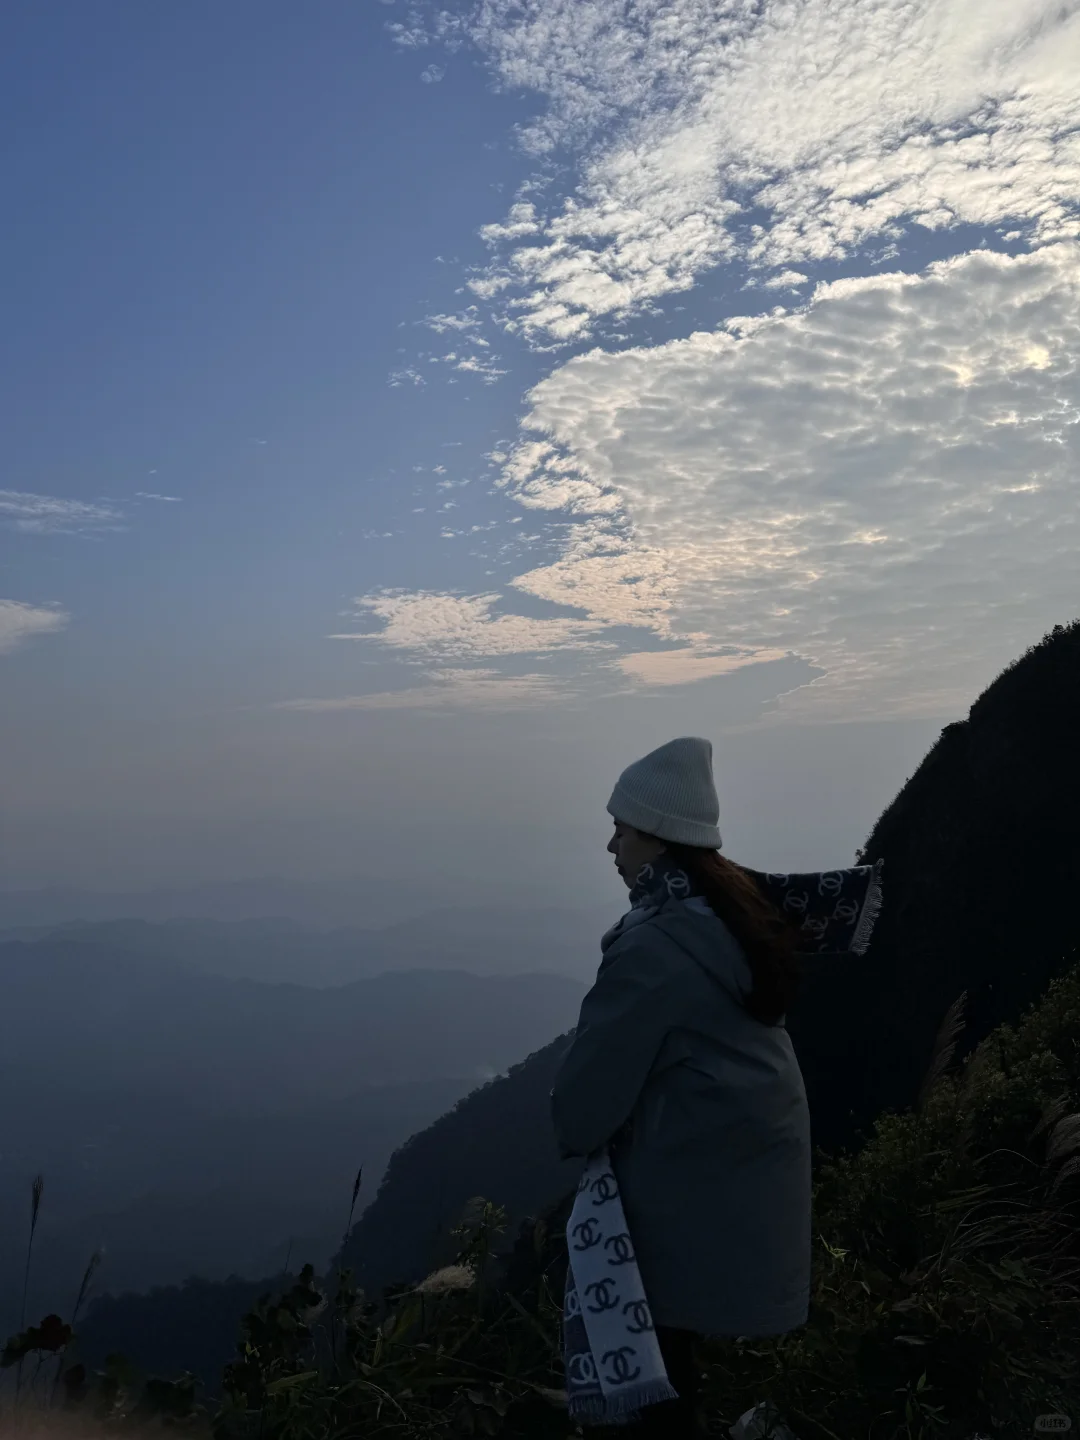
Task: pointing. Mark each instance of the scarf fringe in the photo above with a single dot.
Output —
(870, 911)
(622, 1406)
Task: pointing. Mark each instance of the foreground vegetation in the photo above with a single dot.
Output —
(946, 1298)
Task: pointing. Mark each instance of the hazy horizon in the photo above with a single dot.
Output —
(781, 809)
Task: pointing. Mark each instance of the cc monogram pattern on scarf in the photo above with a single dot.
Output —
(613, 1363)
(837, 908)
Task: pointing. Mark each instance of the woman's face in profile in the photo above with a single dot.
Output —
(632, 851)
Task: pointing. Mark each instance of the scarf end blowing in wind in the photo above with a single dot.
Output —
(835, 910)
(871, 909)
(614, 1367)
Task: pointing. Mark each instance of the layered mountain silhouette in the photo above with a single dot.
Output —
(110, 1018)
(191, 1124)
(482, 941)
(981, 854)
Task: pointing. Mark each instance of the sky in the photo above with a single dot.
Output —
(414, 413)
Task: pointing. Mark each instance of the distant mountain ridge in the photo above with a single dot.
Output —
(109, 1016)
(363, 902)
(275, 949)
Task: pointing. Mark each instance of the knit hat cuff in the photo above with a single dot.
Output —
(628, 811)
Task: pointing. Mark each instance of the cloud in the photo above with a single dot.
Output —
(433, 74)
(883, 482)
(463, 627)
(485, 367)
(775, 133)
(489, 285)
(464, 322)
(786, 280)
(408, 376)
(20, 622)
(684, 667)
(51, 515)
(610, 574)
(522, 220)
(443, 28)
(153, 495)
(454, 689)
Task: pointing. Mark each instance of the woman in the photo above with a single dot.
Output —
(681, 1068)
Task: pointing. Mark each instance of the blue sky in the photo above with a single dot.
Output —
(598, 372)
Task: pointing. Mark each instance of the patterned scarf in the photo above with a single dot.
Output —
(838, 907)
(613, 1363)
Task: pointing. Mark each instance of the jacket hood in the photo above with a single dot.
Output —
(693, 928)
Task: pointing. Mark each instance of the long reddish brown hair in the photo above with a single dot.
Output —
(768, 940)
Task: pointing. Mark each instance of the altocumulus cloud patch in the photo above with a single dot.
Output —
(884, 482)
(20, 622)
(777, 134)
(51, 514)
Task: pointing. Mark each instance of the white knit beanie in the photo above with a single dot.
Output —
(670, 794)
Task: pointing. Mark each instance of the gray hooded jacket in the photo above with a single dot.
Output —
(705, 1113)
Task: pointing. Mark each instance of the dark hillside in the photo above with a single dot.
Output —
(191, 1327)
(982, 866)
(495, 1142)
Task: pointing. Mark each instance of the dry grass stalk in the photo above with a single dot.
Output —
(944, 1048)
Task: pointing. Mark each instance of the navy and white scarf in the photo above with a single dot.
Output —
(614, 1367)
(835, 909)
(613, 1363)
(838, 907)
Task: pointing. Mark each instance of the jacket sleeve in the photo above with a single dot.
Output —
(624, 1019)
